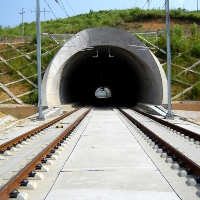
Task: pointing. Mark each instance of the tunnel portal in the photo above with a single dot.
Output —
(100, 58)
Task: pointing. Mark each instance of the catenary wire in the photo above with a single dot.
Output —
(50, 9)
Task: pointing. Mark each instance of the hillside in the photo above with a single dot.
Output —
(18, 67)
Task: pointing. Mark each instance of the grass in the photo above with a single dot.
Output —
(10, 102)
(175, 70)
(177, 88)
(34, 79)
(192, 95)
(31, 98)
(29, 70)
(19, 62)
(4, 47)
(3, 95)
(184, 61)
(9, 77)
(7, 54)
(25, 47)
(189, 77)
(20, 87)
(4, 67)
(196, 68)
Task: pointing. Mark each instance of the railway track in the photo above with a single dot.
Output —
(9, 189)
(186, 157)
(18, 140)
(192, 136)
(178, 146)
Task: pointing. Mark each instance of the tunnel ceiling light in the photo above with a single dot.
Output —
(89, 48)
(110, 56)
(86, 50)
(97, 55)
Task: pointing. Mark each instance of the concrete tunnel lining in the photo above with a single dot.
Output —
(134, 74)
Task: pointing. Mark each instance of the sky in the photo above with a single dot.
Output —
(10, 9)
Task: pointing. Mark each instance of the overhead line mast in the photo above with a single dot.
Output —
(22, 13)
(169, 114)
(39, 59)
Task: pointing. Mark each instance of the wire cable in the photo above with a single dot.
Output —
(70, 7)
(50, 9)
(62, 7)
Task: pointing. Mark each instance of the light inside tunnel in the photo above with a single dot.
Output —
(102, 93)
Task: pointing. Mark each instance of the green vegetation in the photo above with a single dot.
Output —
(19, 62)
(25, 47)
(185, 53)
(11, 76)
(114, 18)
(195, 92)
(3, 68)
(29, 70)
(31, 98)
(6, 54)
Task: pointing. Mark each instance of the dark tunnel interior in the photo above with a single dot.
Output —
(100, 67)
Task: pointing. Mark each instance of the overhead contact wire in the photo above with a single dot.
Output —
(50, 9)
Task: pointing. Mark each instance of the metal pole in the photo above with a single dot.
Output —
(22, 13)
(39, 59)
(197, 5)
(169, 113)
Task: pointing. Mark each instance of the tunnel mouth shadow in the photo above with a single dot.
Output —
(111, 70)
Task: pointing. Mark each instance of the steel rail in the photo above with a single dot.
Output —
(19, 139)
(183, 161)
(15, 182)
(184, 131)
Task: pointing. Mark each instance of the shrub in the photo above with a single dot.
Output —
(31, 98)
(193, 29)
(196, 92)
(195, 51)
(33, 39)
(177, 30)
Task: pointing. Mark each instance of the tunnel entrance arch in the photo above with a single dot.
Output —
(104, 58)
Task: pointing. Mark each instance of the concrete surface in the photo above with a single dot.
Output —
(109, 163)
(19, 111)
(187, 106)
(107, 158)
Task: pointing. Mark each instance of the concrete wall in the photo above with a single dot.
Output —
(20, 112)
(190, 106)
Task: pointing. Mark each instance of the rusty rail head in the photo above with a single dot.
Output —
(188, 163)
(4, 146)
(14, 183)
(182, 130)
